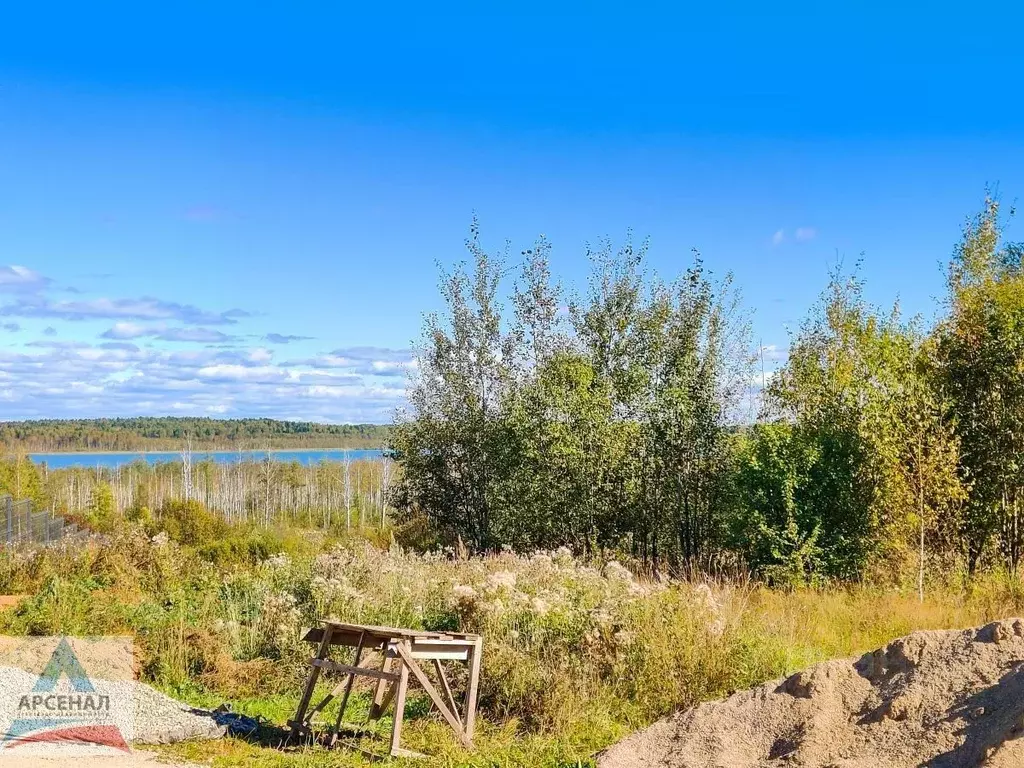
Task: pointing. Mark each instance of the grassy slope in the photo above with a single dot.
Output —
(576, 656)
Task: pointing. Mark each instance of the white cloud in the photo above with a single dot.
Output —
(118, 378)
(773, 352)
(803, 234)
(375, 361)
(146, 308)
(778, 237)
(261, 355)
(278, 338)
(128, 330)
(115, 377)
(16, 279)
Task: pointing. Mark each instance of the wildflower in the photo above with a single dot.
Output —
(496, 606)
(615, 571)
(706, 596)
(280, 560)
(463, 592)
(542, 559)
(501, 579)
(540, 606)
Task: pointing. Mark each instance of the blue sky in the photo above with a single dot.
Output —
(236, 209)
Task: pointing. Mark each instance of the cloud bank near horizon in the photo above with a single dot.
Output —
(122, 356)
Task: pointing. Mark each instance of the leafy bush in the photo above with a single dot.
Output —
(189, 522)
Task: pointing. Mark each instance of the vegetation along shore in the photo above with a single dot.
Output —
(606, 486)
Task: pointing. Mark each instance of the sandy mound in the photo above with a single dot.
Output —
(945, 699)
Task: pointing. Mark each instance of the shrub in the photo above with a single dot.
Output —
(189, 522)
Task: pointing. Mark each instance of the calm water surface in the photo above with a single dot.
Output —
(113, 460)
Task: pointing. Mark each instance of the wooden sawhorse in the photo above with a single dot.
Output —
(403, 648)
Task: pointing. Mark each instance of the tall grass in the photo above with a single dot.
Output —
(576, 653)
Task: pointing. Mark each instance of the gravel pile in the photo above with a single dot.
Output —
(943, 699)
(142, 714)
(159, 719)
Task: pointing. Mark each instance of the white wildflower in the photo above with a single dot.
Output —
(563, 556)
(280, 560)
(615, 571)
(540, 606)
(464, 593)
(501, 580)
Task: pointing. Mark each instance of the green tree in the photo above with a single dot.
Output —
(980, 360)
(882, 461)
(102, 509)
(453, 442)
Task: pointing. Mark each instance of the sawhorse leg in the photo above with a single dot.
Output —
(299, 726)
(402, 687)
(348, 689)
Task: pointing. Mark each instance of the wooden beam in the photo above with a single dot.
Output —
(314, 673)
(334, 666)
(348, 687)
(428, 686)
(378, 706)
(443, 680)
(396, 730)
(476, 657)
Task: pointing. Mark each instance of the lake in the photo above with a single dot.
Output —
(114, 460)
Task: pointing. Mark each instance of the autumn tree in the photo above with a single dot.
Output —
(980, 358)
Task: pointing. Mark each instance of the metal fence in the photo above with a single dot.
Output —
(20, 525)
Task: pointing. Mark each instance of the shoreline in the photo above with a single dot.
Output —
(177, 452)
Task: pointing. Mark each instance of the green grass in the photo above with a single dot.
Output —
(576, 655)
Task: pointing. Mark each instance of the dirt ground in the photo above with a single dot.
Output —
(944, 699)
(138, 759)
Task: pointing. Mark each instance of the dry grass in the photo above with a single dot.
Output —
(576, 654)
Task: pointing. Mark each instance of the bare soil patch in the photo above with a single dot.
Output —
(944, 699)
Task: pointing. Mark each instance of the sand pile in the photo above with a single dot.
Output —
(945, 699)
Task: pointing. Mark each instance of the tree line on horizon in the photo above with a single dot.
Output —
(175, 432)
(882, 449)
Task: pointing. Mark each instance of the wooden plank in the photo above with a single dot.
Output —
(443, 680)
(341, 637)
(449, 651)
(348, 689)
(389, 696)
(446, 651)
(348, 634)
(325, 700)
(334, 666)
(401, 687)
(314, 674)
(423, 680)
(474, 686)
(374, 630)
(377, 707)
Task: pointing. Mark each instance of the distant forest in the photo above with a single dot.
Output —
(170, 433)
